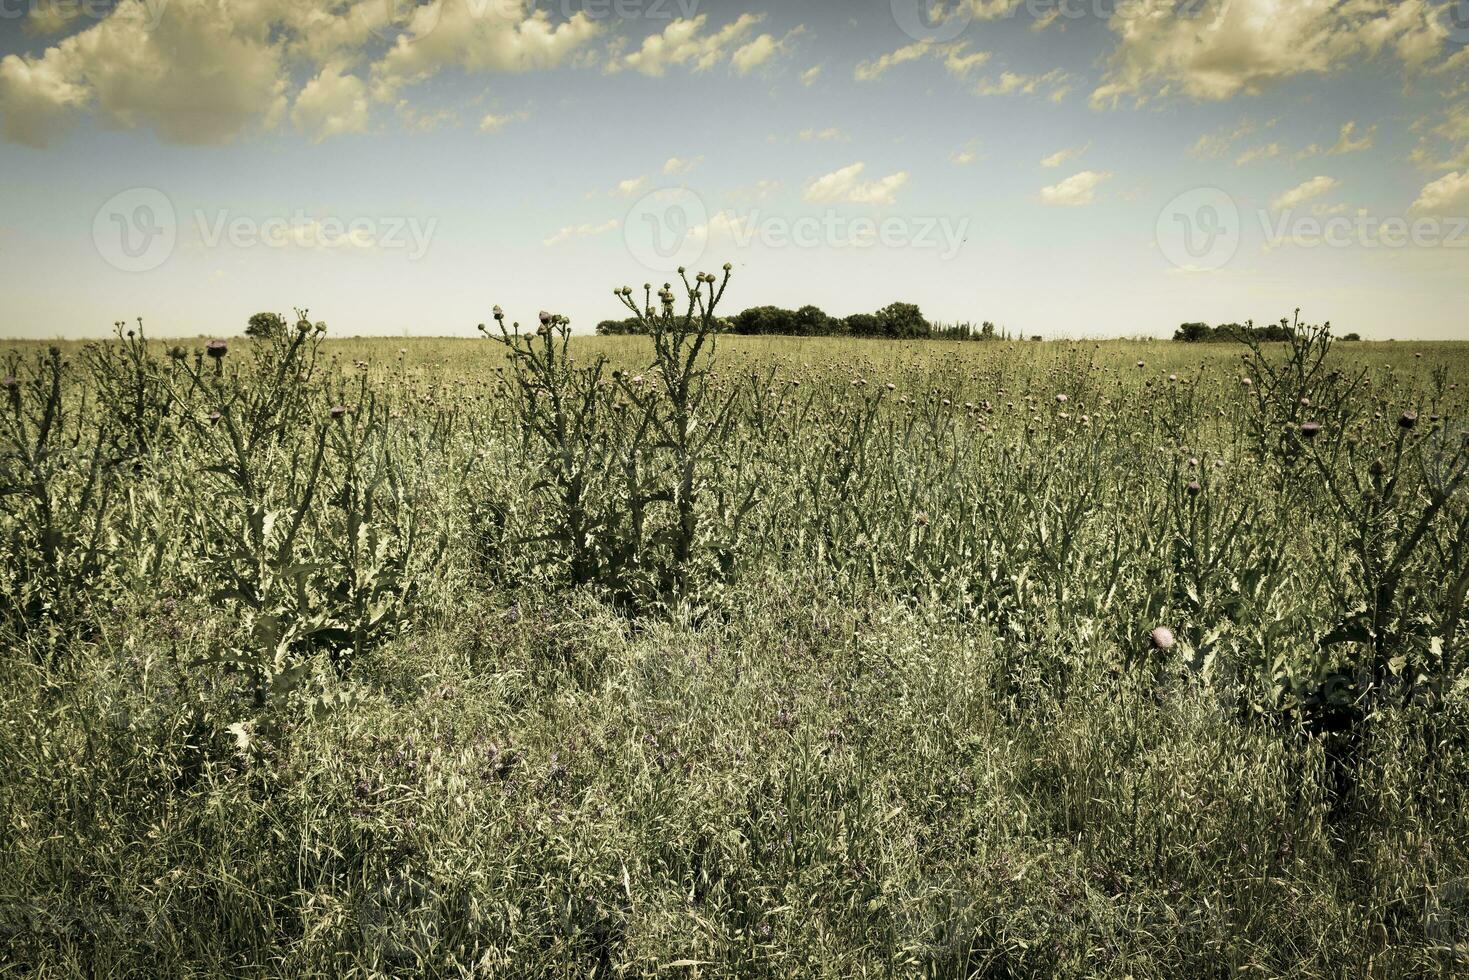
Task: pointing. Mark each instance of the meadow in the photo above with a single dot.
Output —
(702, 656)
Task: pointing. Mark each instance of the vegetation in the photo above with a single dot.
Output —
(706, 655)
(896, 321)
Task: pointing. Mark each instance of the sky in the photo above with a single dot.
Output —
(1069, 168)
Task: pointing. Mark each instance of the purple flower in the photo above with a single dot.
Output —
(338, 412)
(216, 348)
(1161, 637)
(1310, 430)
(1407, 420)
(1194, 488)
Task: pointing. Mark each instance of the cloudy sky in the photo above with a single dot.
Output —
(1066, 167)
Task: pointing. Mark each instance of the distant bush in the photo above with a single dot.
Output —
(896, 320)
(1202, 333)
(265, 325)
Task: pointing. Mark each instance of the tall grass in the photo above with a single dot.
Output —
(778, 658)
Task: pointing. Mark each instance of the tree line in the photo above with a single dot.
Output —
(897, 321)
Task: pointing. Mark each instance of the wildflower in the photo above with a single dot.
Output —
(214, 417)
(545, 318)
(1246, 382)
(1142, 364)
(1061, 399)
(1173, 377)
(338, 412)
(1407, 420)
(1161, 637)
(1310, 430)
(9, 383)
(1194, 488)
(216, 348)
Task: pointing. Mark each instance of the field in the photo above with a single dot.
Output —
(712, 657)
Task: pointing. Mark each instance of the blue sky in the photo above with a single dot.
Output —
(1065, 167)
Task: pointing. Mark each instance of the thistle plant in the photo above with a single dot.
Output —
(58, 488)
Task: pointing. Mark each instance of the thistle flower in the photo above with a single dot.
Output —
(1061, 399)
(216, 348)
(1194, 488)
(1161, 637)
(338, 412)
(1407, 420)
(1310, 430)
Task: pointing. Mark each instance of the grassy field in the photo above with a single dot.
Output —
(765, 658)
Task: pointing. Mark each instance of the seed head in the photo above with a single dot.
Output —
(1161, 637)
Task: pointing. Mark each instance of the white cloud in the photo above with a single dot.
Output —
(1447, 195)
(1061, 156)
(1217, 49)
(193, 76)
(810, 75)
(1075, 191)
(1302, 193)
(1349, 142)
(1266, 151)
(1015, 83)
(580, 231)
(1214, 145)
(494, 122)
(505, 36)
(958, 60)
(206, 71)
(831, 134)
(760, 51)
(629, 187)
(845, 186)
(676, 166)
(683, 43)
(331, 104)
(966, 154)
